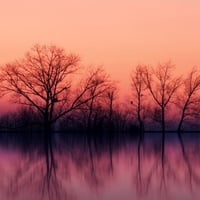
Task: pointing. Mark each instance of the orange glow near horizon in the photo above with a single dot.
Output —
(116, 34)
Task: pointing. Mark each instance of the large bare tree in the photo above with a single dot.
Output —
(43, 80)
(138, 89)
(162, 86)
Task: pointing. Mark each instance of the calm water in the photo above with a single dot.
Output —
(119, 167)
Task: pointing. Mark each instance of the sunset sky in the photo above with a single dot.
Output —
(114, 33)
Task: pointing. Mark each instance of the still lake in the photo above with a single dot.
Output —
(104, 167)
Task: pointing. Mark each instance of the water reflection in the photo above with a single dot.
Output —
(101, 167)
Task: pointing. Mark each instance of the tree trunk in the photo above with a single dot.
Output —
(180, 125)
(89, 120)
(163, 120)
(47, 125)
(182, 117)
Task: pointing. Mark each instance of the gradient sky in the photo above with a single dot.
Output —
(118, 34)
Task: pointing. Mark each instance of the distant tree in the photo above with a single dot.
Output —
(7, 122)
(110, 97)
(122, 117)
(162, 87)
(156, 114)
(27, 120)
(93, 109)
(24, 119)
(43, 80)
(188, 100)
(138, 89)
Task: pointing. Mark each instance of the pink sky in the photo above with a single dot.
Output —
(114, 33)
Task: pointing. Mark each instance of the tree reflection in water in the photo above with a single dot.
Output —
(165, 170)
(100, 167)
(36, 175)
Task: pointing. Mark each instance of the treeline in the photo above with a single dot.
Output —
(56, 94)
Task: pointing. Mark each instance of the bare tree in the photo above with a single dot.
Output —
(162, 86)
(96, 94)
(189, 97)
(138, 88)
(108, 102)
(43, 80)
(111, 96)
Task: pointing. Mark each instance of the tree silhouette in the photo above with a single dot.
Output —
(110, 97)
(138, 87)
(162, 86)
(93, 109)
(43, 80)
(189, 99)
